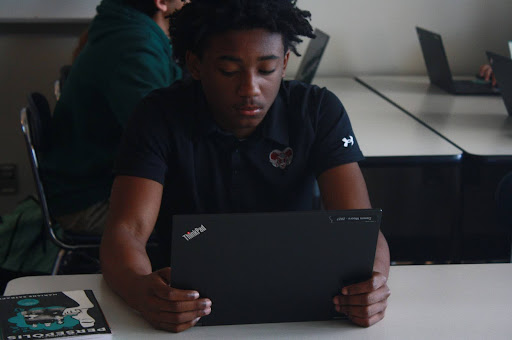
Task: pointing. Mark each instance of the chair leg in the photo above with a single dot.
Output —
(58, 260)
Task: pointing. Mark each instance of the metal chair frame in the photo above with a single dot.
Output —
(33, 136)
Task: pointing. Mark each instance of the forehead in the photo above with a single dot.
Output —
(253, 42)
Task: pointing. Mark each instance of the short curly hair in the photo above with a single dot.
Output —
(192, 26)
(145, 6)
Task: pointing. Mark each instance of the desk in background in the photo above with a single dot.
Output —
(481, 127)
(427, 302)
(411, 172)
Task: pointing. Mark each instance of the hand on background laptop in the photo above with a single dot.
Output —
(486, 73)
(169, 308)
(364, 303)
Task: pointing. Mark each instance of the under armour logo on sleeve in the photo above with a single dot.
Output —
(347, 141)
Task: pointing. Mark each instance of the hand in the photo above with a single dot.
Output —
(364, 303)
(486, 72)
(169, 308)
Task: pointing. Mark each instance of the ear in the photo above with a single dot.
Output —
(285, 63)
(193, 64)
(162, 5)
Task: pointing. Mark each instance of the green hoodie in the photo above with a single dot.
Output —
(126, 57)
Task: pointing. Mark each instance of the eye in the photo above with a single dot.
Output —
(227, 73)
(265, 72)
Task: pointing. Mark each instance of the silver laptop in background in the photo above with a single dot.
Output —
(311, 58)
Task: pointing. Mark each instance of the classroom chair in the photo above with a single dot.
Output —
(58, 85)
(35, 124)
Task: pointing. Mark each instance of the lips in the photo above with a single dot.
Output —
(248, 109)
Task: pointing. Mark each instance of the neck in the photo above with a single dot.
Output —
(162, 22)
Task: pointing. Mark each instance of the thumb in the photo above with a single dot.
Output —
(165, 274)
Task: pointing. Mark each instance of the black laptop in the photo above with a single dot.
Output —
(273, 267)
(502, 68)
(439, 72)
(312, 56)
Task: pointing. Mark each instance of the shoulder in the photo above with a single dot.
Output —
(311, 101)
(173, 105)
(307, 95)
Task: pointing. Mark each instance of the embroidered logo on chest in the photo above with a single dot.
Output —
(281, 159)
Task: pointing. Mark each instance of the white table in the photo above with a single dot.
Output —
(383, 130)
(479, 125)
(427, 302)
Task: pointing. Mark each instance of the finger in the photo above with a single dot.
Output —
(483, 70)
(187, 306)
(165, 274)
(172, 294)
(364, 311)
(377, 281)
(156, 304)
(488, 73)
(178, 318)
(365, 299)
(175, 328)
(367, 322)
(494, 80)
(175, 318)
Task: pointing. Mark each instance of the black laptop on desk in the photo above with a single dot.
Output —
(438, 68)
(502, 68)
(312, 56)
(273, 267)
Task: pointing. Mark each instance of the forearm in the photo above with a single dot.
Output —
(124, 262)
(381, 262)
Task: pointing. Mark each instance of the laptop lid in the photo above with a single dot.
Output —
(435, 58)
(502, 68)
(273, 267)
(312, 56)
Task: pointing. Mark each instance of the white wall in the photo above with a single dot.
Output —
(379, 37)
(367, 37)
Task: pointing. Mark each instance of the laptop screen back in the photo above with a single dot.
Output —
(312, 56)
(502, 68)
(272, 267)
(435, 58)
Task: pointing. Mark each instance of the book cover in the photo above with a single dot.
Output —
(63, 315)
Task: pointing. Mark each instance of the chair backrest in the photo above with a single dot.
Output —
(59, 83)
(39, 118)
(35, 122)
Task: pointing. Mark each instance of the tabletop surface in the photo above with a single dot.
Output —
(472, 301)
(382, 129)
(479, 125)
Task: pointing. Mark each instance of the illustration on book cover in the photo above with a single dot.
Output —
(60, 314)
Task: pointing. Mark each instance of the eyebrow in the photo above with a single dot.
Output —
(237, 60)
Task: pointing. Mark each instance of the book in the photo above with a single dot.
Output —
(65, 315)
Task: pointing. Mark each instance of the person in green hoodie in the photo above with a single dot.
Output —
(127, 55)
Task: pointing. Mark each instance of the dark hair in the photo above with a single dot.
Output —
(192, 26)
(145, 6)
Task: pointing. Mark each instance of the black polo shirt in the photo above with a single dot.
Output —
(173, 139)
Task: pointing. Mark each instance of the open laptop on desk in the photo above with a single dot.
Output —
(502, 68)
(438, 68)
(312, 56)
(273, 267)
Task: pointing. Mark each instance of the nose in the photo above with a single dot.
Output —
(249, 86)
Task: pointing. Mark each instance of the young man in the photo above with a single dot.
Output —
(127, 55)
(235, 139)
